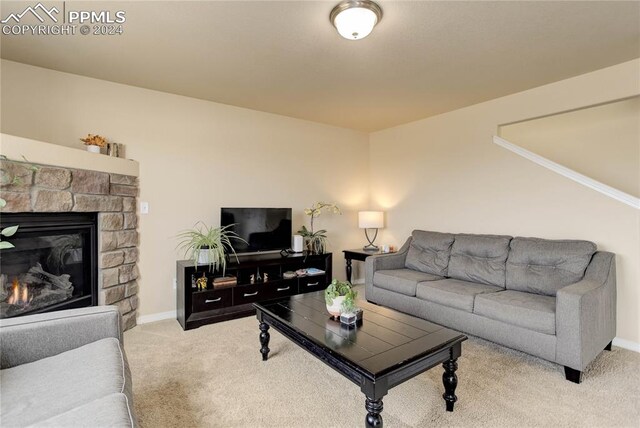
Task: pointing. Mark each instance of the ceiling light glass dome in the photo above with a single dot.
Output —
(355, 20)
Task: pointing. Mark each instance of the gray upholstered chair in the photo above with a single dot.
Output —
(65, 368)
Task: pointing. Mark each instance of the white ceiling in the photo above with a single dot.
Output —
(285, 57)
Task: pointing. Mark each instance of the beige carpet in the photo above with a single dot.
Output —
(214, 377)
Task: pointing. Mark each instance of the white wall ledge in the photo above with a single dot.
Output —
(570, 174)
(38, 152)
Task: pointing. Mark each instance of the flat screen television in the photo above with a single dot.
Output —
(264, 229)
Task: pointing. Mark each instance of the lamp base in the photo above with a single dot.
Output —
(370, 246)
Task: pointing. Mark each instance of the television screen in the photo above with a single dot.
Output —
(264, 229)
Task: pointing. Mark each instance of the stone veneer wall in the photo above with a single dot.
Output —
(113, 196)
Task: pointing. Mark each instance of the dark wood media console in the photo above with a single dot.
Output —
(199, 307)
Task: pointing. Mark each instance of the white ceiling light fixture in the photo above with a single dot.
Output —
(355, 19)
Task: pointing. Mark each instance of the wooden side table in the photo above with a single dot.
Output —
(357, 254)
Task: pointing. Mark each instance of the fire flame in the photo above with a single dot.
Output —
(19, 294)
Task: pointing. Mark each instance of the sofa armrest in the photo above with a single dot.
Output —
(33, 337)
(586, 313)
(383, 262)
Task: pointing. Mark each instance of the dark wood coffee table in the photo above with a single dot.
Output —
(386, 349)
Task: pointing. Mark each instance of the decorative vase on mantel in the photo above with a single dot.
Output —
(94, 143)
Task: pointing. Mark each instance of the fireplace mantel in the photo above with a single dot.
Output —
(39, 152)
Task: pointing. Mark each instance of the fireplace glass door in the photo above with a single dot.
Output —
(52, 266)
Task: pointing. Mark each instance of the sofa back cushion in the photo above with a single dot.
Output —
(544, 266)
(480, 258)
(429, 252)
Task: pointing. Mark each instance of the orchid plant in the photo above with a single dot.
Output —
(316, 241)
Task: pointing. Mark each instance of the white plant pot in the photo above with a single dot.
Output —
(336, 307)
(203, 257)
(93, 149)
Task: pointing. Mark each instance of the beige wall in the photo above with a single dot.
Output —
(601, 142)
(444, 173)
(195, 156)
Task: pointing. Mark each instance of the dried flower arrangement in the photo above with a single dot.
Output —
(94, 140)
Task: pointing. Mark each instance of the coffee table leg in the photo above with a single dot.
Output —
(264, 340)
(374, 408)
(450, 381)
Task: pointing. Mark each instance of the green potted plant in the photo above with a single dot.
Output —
(349, 302)
(316, 241)
(208, 245)
(334, 296)
(7, 178)
(7, 232)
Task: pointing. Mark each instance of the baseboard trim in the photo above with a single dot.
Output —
(626, 344)
(145, 319)
(357, 281)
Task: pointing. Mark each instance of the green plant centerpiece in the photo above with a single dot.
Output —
(316, 241)
(349, 302)
(336, 294)
(208, 245)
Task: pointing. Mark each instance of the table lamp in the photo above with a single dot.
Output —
(370, 220)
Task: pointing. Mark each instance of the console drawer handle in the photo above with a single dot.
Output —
(283, 289)
(313, 284)
(250, 294)
(213, 301)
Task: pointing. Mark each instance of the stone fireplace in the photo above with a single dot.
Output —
(111, 197)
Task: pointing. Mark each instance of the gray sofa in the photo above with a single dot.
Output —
(552, 299)
(65, 369)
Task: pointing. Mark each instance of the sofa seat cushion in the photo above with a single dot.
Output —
(402, 281)
(113, 410)
(479, 258)
(453, 292)
(531, 311)
(429, 252)
(544, 266)
(45, 388)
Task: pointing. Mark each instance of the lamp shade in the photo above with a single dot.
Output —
(370, 219)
